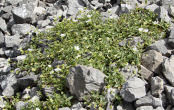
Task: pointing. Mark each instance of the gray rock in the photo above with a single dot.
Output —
(22, 29)
(2, 52)
(128, 71)
(157, 86)
(50, 1)
(83, 80)
(43, 23)
(77, 106)
(167, 3)
(9, 85)
(157, 102)
(159, 46)
(124, 8)
(168, 69)
(172, 96)
(163, 14)
(48, 91)
(20, 105)
(13, 2)
(168, 91)
(145, 73)
(144, 101)
(152, 61)
(133, 89)
(12, 53)
(3, 25)
(159, 108)
(12, 41)
(4, 66)
(171, 38)
(65, 108)
(145, 108)
(2, 103)
(111, 93)
(2, 39)
(171, 11)
(21, 57)
(23, 14)
(125, 106)
(152, 7)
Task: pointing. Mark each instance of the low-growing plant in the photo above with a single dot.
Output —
(90, 41)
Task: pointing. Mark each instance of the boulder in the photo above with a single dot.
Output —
(144, 101)
(168, 69)
(12, 41)
(157, 86)
(83, 80)
(163, 14)
(152, 60)
(171, 38)
(145, 73)
(145, 108)
(2, 39)
(3, 25)
(133, 89)
(152, 7)
(4, 66)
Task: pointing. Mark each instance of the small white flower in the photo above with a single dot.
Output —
(155, 22)
(89, 16)
(88, 21)
(145, 30)
(52, 72)
(74, 20)
(80, 9)
(78, 56)
(57, 69)
(76, 47)
(140, 29)
(109, 10)
(111, 17)
(49, 66)
(30, 50)
(62, 35)
(37, 108)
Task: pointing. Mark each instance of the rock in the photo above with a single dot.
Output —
(83, 80)
(65, 108)
(171, 38)
(133, 89)
(168, 90)
(128, 71)
(171, 11)
(125, 106)
(163, 14)
(20, 105)
(39, 10)
(23, 14)
(159, 108)
(145, 108)
(167, 3)
(9, 86)
(152, 7)
(77, 106)
(124, 8)
(21, 57)
(2, 103)
(13, 2)
(168, 69)
(172, 96)
(111, 93)
(48, 91)
(12, 53)
(159, 46)
(12, 41)
(50, 1)
(152, 60)
(144, 101)
(145, 73)
(2, 39)
(22, 29)
(157, 102)
(157, 86)
(4, 66)
(3, 25)
(43, 23)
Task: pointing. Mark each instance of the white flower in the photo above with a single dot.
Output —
(155, 22)
(89, 16)
(57, 69)
(49, 66)
(62, 35)
(145, 30)
(80, 9)
(30, 50)
(74, 20)
(88, 21)
(109, 10)
(78, 56)
(52, 72)
(140, 29)
(37, 108)
(76, 47)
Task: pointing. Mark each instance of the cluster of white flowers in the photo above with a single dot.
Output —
(74, 20)
(155, 22)
(143, 30)
(49, 66)
(76, 47)
(62, 35)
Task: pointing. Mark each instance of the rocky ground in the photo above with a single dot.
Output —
(21, 19)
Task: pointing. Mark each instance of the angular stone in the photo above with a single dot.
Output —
(64, 108)
(168, 69)
(133, 89)
(171, 38)
(3, 25)
(152, 61)
(145, 108)
(163, 14)
(159, 46)
(2, 39)
(13, 2)
(12, 41)
(145, 73)
(22, 29)
(4, 66)
(144, 101)
(168, 91)
(82, 80)
(23, 14)
(152, 7)
(20, 105)
(157, 102)
(157, 86)
(171, 10)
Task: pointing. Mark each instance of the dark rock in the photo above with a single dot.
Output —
(157, 86)
(145, 73)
